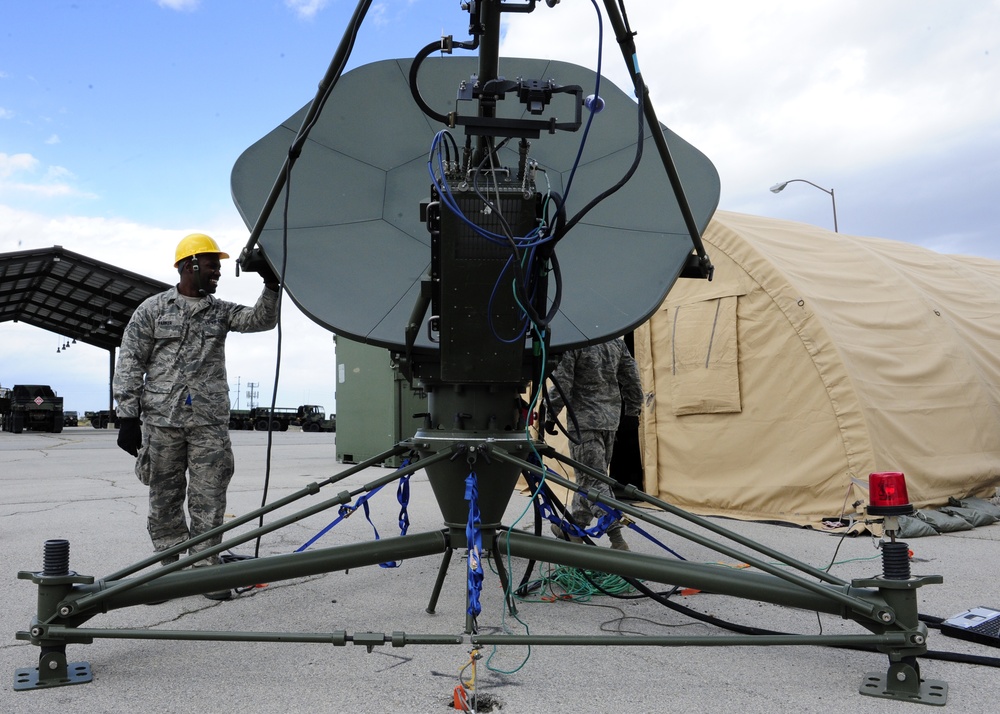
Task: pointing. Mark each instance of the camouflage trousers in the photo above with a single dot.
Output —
(594, 450)
(187, 463)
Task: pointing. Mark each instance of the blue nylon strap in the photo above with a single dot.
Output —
(610, 517)
(474, 539)
(368, 517)
(548, 512)
(344, 512)
(640, 531)
(403, 497)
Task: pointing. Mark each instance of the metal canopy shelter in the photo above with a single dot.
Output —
(72, 295)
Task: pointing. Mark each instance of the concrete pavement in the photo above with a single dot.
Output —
(78, 486)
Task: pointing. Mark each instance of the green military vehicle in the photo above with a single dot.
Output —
(277, 420)
(241, 420)
(31, 406)
(312, 417)
(101, 419)
(309, 417)
(260, 418)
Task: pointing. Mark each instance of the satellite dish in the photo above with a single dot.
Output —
(357, 248)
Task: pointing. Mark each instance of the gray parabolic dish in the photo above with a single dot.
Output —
(357, 248)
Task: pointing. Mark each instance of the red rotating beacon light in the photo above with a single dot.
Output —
(887, 494)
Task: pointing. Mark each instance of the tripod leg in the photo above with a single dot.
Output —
(442, 572)
(504, 581)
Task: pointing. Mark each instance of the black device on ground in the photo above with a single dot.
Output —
(980, 624)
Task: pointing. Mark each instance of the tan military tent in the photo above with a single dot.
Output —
(813, 359)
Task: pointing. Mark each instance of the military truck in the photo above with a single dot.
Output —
(312, 417)
(240, 420)
(278, 420)
(31, 406)
(71, 418)
(101, 419)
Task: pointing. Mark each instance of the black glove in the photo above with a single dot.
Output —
(130, 435)
(269, 276)
(255, 263)
(550, 427)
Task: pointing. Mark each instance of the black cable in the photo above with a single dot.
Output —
(294, 151)
(520, 283)
(663, 599)
(621, 9)
(436, 46)
(524, 285)
(623, 180)
(556, 272)
(522, 588)
(571, 415)
(962, 658)
(415, 90)
(747, 630)
(277, 360)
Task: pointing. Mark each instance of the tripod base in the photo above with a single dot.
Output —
(908, 689)
(52, 671)
(886, 608)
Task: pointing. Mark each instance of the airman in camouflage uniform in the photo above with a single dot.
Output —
(596, 380)
(172, 370)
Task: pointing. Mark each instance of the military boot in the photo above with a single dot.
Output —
(616, 538)
(563, 535)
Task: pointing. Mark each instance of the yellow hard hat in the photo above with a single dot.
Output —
(195, 244)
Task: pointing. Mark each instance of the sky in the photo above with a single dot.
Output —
(120, 122)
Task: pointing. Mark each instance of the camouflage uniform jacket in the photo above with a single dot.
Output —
(173, 357)
(596, 380)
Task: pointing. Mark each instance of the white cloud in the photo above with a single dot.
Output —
(306, 8)
(378, 14)
(58, 173)
(56, 181)
(81, 375)
(6, 113)
(16, 163)
(54, 139)
(892, 103)
(181, 5)
(767, 86)
(43, 190)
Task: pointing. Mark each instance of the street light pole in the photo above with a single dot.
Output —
(779, 187)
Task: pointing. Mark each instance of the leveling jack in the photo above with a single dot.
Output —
(55, 581)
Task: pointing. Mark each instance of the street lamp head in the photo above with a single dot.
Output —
(778, 187)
